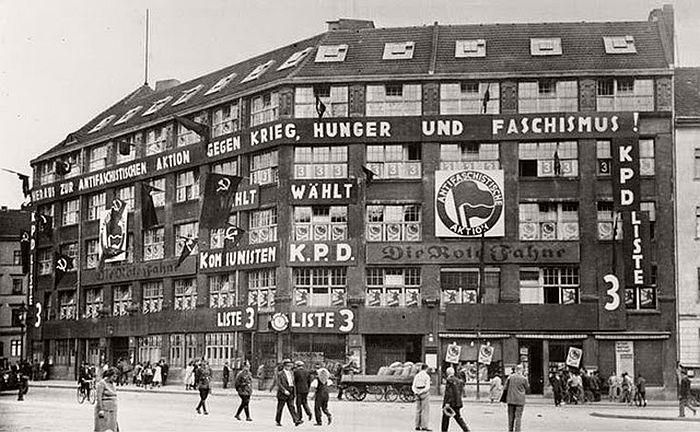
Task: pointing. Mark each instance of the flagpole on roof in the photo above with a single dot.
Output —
(145, 60)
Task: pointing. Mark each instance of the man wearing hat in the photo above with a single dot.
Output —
(302, 380)
(285, 393)
(452, 402)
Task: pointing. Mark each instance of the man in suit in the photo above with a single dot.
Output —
(452, 401)
(516, 387)
(302, 380)
(285, 393)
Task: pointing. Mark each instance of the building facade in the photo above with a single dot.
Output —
(372, 162)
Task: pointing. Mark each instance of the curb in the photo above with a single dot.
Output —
(640, 417)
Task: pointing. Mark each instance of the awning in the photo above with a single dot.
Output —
(474, 335)
(632, 336)
(550, 336)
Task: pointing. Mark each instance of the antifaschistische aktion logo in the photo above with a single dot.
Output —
(469, 203)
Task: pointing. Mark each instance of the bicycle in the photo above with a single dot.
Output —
(81, 394)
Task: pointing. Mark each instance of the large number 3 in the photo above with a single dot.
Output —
(612, 292)
(349, 320)
(250, 317)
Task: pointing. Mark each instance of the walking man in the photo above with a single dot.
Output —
(684, 395)
(421, 388)
(302, 380)
(225, 374)
(285, 394)
(244, 386)
(203, 378)
(452, 402)
(320, 388)
(516, 388)
(641, 393)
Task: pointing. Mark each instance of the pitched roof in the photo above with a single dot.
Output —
(12, 221)
(687, 88)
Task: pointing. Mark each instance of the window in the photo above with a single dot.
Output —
(93, 257)
(395, 161)
(549, 221)
(16, 348)
(646, 157)
(185, 294)
(262, 226)
(470, 97)
(16, 257)
(134, 141)
(545, 46)
(16, 318)
(261, 289)
(334, 98)
(641, 297)
(650, 208)
(63, 352)
(186, 186)
(93, 302)
(619, 44)
(187, 95)
(66, 302)
(320, 162)
(150, 348)
(295, 58)
(177, 350)
(331, 53)
(104, 122)
(226, 119)
(606, 221)
(470, 48)
(547, 96)
(121, 302)
(125, 118)
(394, 100)
(548, 159)
(223, 290)
(45, 173)
(97, 204)
(625, 94)
(217, 236)
(320, 223)
(263, 168)
(258, 71)
(17, 286)
(157, 139)
(558, 285)
(319, 286)
(70, 213)
(153, 244)
(186, 136)
(469, 156)
(393, 287)
(220, 347)
(45, 260)
(74, 161)
(223, 82)
(264, 108)
(126, 194)
(97, 158)
(152, 297)
(462, 285)
(604, 156)
(157, 105)
(158, 196)
(183, 232)
(387, 223)
(398, 51)
(229, 167)
(71, 251)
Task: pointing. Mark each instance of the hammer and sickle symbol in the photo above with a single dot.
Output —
(224, 184)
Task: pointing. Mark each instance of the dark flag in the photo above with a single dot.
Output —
(24, 244)
(62, 264)
(320, 107)
(487, 98)
(187, 248)
(219, 193)
(25, 183)
(148, 210)
(62, 167)
(557, 163)
(44, 225)
(233, 234)
(200, 129)
(369, 174)
(480, 292)
(124, 147)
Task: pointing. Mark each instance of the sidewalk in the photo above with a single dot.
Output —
(649, 413)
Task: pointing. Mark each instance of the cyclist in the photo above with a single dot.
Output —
(85, 378)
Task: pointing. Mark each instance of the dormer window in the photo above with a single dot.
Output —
(470, 48)
(125, 118)
(545, 46)
(223, 82)
(187, 94)
(295, 58)
(258, 71)
(104, 122)
(398, 51)
(331, 53)
(157, 105)
(619, 45)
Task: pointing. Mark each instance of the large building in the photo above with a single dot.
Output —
(409, 194)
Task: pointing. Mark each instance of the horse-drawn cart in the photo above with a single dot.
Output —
(378, 387)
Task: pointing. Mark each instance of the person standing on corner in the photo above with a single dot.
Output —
(225, 374)
(285, 394)
(302, 380)
(244, 386)
(106, 403)
(452, 401)
(421, 388)
(203, 378)
(516, 388)
(684, 394)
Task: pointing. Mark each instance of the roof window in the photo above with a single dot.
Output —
(470, 48)
(157, 105)
(545, 46)
(125, 118)
(259, 70)
(398, 51)
(104, 122)
(331, 53)
(295, 58)
(223, 82)
(619, 45)
(187, 94)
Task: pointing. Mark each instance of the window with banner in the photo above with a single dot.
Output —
(604, 158)
(223, 290)
(320, 223)
(217, 236)
(320, 162)
(262, 226)
(121, 295)
(264, 108)
(469, 353)
(395, 160)
(70, 250)
(183, 233)
(333, 97)
(642, 297)
(548, 159)
(66, 304)
(45, 260)
(153, 242)
(554, 285)
(93, 302)
(186, 136)
(393, 223)
(558, 352)
(469, 97)
(470, 156)
(262, 285)
(152, 297)
(393, 287)
(185, 294)
(549, 221)
(606, 222)
(264, 168)
(226, 119)
(319, 286)
(149, 348)
(462, 285)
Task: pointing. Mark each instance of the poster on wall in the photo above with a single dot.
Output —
(113, 232)
(453, 353)
(573, 359)
(469, 203)
(624, 358)
(485, 354)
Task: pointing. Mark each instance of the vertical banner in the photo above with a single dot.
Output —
(113, 232)
(624, 358)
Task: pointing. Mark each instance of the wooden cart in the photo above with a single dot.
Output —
(379, 387)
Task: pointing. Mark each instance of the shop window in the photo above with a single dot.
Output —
(186, 186)
(395, 161)
(217, 236)
(92, 256)
(63, 352)
(549, 221)
(548, 159)
(470, 97)
(226, 119)
(320, 223)
(185, 294)
(262, 285)
(70, 212)
(318, 286)
(97, 204)
(604, 156)
(128, 115)
(157, 139)
(150, 348)
(158, 191)
(606, 221)
(186, 136)
(45, 261)
(333, 97)
(463, 286)
(126, 194)
(393, 287)
(66, 305)
(393, 223)
(394, 100)
(219, 347)
(320, 162)
(646, 157)
(70, 250)
(547, 96)
(262, 226)
(264, 108)
(558, 285)
(97, 158)
(223, 82)
(469, 156)
(153, 240)
(184, 232)
(625, 94)
(93, 302)
(121, 300)
(223, 290)
(152, 297)
(263, 168)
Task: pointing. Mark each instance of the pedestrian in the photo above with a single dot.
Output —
(684, 395)
(319, 386)
(147, 375)
(421, 388)
(225, 374)
(164, 370)
(157, 375)
(285, 393)
(22, 383)
(557, 387)
(203, 378)
(626, 389)
(302, 380)
(514, 394)
(106, 403)
(189, 376)
(495, 388)
(575, 384)
(452, 401)
(347, 368)
(243, 384)
(641, 392)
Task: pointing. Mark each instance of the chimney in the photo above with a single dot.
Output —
(166, 84)
(349, 24)
(664, 20)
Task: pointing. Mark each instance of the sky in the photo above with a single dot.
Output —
(64, 62)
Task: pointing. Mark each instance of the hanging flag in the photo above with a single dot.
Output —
(24, 245)
(125, 147)
(113, 233)
(44, 225)
(320, 107)
(219, 193)
(233, 234)
(62, 167)
(487, 98)
(557, 163)
(189, 245)
(25, 183)
(63, 264)
(369, 174)
(200, 129)
(149, 217)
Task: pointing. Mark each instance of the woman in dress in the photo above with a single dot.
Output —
(157, 376)
(106, 403)
(495, 389)
(244, 387)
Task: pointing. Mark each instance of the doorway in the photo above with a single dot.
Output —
(531, 358)
(120, 349)
(383, 350)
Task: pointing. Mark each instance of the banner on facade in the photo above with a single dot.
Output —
(485, 354)
(315, 321)
(113, 232)
(453, 353)
(624, 358)
(237, 319)
(469, 203)
(573, 359)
